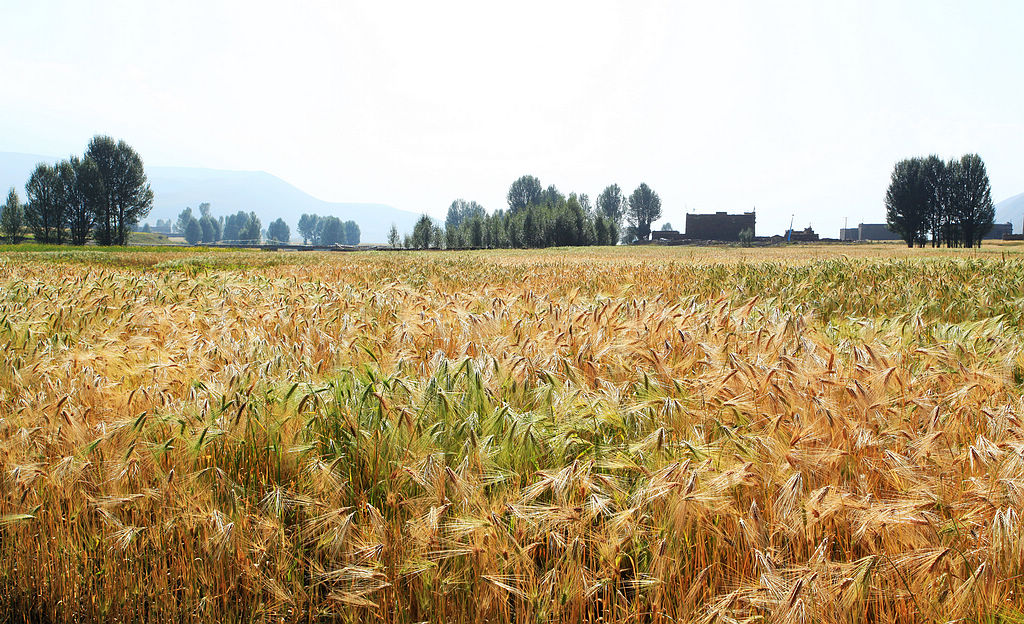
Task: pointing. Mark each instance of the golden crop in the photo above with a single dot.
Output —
(613, 435)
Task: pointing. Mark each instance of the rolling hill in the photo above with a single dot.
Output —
(1011, 210)
(228, 192)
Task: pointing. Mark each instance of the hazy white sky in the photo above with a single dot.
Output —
(793, 107)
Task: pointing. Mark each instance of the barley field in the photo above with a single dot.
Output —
(806, 434)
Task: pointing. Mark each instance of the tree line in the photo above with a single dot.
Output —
(328, 230)
(241, 227)
(101, 196)
(539, 217)
(245, 227)
(945, 202)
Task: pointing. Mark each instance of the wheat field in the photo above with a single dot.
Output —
(808, 434)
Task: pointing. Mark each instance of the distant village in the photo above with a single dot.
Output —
(725, 227)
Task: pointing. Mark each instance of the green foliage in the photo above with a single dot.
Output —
(102, 195)
(746, 236)
(950, 201)
(44, 213)
(127, 196)
(611, 204)
(307, 227)
(971, 205)
(183, 218)
(12, 217)
(525, 191)
(328, 230)
(909, 200)
(278, 231)
(461, 211)
(84, 193)
(352, 233)
(242, 227)
(193, 231)
(211, 227)
(644, 208)
(476, 232)
(394, 239)
(551, 195)
(422, 233)
(606, 231)
(538, 218)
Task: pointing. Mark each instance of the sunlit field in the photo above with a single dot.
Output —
(785, 434)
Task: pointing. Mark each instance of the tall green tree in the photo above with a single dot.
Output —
(971, 199)
(422, 233)
(453, 238)
(476, 231)
(600, 231)
(242, 227)
(12, 217)
(44, 213)
(524, 192)
(936, 178)
(307, 227)
(278, 231)
(193, 231)
(183, 218)
(585, 202)
(611, 204)
(330, 231)
(951, 201)
(128, 197)
(394, 239)
(552, 196)
(352, 233)
(644, 209)
(909, 201)
(83, 188)
(210, 226)
(250, 231)
(461, 211)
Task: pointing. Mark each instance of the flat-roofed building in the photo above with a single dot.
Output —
(719, 226)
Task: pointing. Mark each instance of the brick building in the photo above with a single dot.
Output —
(719, 226)
(807, 235)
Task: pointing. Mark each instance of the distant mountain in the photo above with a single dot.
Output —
(270, 197)
(1012, 210)
(15, 169)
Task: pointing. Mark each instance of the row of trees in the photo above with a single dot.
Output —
(328, 230)
(945, 202)
(539, 217)
(241, 227)
(101, 195)
(245, 227)
(640, 209)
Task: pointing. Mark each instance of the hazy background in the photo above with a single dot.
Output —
(797, 108)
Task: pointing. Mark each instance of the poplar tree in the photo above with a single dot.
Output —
(12, 217)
